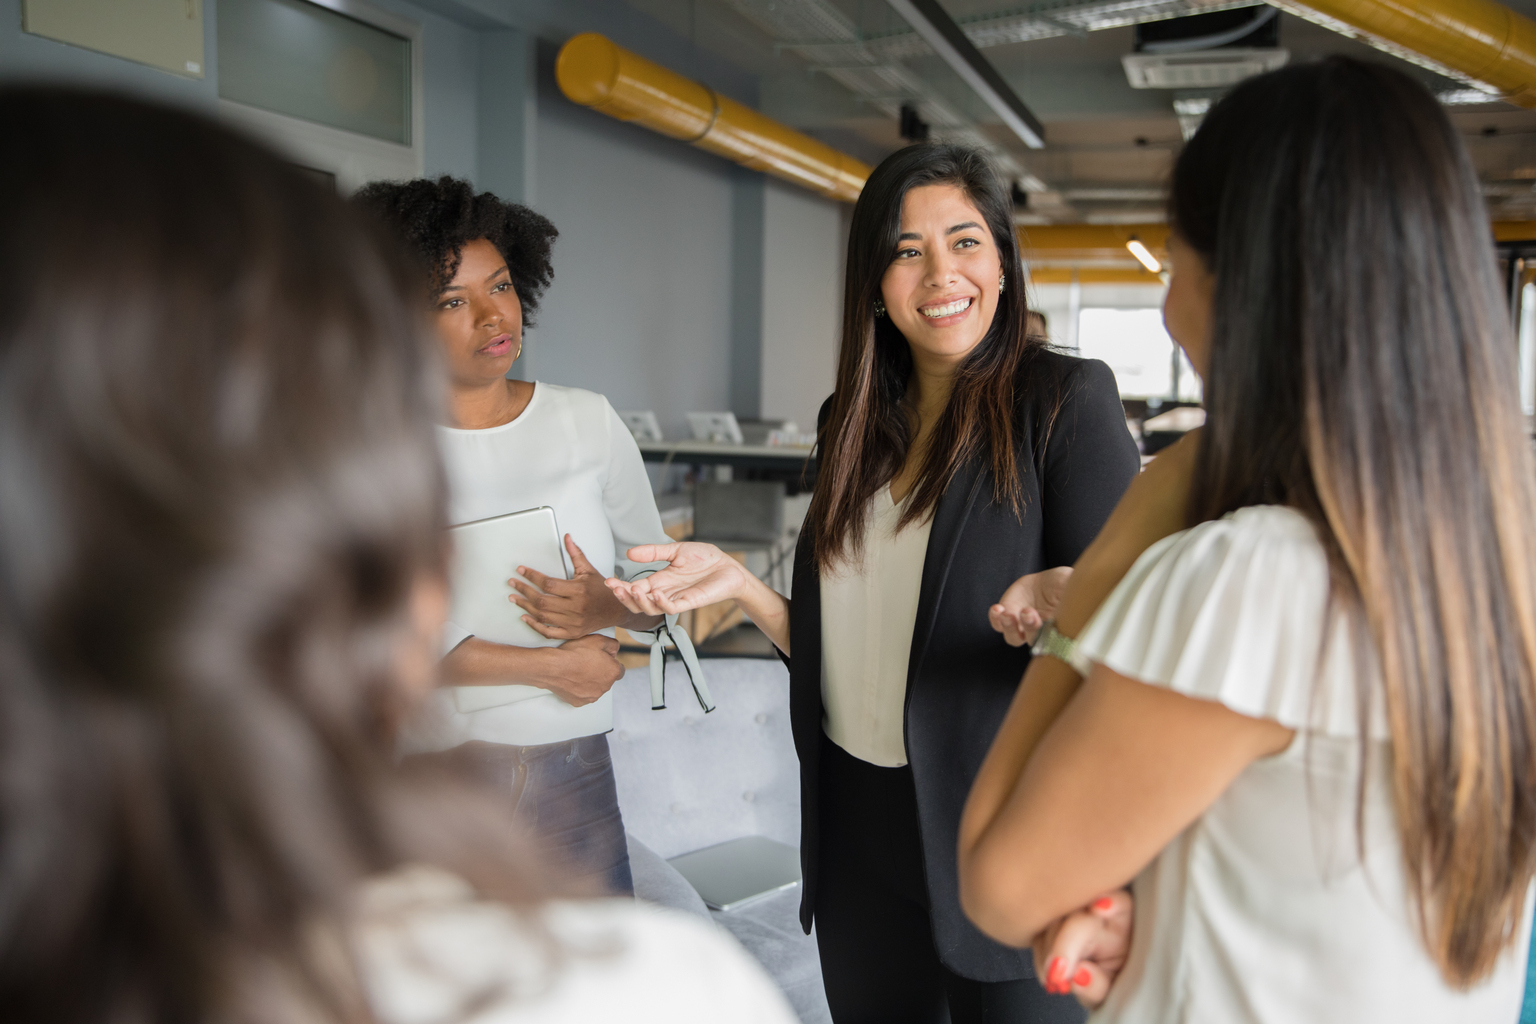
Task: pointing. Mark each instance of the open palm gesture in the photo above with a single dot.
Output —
(700, 574)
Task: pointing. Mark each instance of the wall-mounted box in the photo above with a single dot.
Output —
(165, 34)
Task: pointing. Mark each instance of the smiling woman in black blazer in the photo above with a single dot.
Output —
(959, 456)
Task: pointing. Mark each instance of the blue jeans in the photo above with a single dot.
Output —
(564, 795)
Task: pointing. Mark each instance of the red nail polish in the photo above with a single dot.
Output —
(1082, 978)
(1103, 903)
(1056, 972)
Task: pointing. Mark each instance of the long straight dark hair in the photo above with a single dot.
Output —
(218, 489)
(869, 431)
(1362, 370)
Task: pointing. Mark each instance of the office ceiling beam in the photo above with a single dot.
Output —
(939, 31)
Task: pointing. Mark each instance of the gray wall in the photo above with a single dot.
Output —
(804, 238)
(640, 309)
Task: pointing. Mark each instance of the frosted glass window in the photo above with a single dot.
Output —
(1139, 351)
(300, 59)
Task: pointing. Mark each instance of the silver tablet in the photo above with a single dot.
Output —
(486, 554)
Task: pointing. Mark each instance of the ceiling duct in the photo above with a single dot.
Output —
(1208, 69)
(595, 72)
(1205, 51)
(1478, 42)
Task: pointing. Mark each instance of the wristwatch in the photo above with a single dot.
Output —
(1058, 645)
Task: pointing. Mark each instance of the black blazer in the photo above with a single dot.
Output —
(961, 675)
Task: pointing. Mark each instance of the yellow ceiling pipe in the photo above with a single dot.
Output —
(1514, 230)
(1093, 275)
(1481, 40)
(1053, 251)
(1071, 243)
(596, 72)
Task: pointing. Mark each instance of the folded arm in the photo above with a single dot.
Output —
(578, 671)
(1123, 769)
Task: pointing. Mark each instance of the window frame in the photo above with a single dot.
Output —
(354, 158)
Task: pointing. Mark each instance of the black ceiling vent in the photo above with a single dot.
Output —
(1245, 27)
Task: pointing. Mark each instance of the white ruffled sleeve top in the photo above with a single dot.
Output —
(1264, 909)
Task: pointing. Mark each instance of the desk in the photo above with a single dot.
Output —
(795, 466)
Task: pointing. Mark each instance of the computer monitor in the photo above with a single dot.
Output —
(715, 426)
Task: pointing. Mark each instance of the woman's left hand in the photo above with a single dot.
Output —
(567, 609)
(1027, 604)
(1083, 953)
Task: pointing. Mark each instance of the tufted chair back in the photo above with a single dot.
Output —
(688, 780)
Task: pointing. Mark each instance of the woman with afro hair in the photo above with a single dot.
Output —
(511, 445)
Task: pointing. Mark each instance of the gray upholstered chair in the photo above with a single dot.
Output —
(688, 780)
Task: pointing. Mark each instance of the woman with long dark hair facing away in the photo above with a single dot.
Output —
(1307, 733)
(510, 445)
(957, 455)
(222, 571)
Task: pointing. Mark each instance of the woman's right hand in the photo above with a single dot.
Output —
(1084, 952)
(582, 670)
(700, 574)
(578, 671)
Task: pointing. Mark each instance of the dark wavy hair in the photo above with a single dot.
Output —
(1362, 370)
(869, 430)
(437, 217)
(220, 487)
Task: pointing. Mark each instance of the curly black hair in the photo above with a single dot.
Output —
(437, 218)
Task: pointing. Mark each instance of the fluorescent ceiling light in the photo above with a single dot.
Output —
(939, 30)
(1466, 97)
(1144, 255)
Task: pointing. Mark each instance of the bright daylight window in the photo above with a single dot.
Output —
(1528, 349)
(1146, 362)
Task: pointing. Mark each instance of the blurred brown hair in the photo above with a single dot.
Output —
(1362, 369)
(219, 489)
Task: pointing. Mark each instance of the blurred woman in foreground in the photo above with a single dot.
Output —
(1307, 733)
(221, 581)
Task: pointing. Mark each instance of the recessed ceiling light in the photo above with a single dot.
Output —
(1143, 255)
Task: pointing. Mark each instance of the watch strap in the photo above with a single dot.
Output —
(1058, 645)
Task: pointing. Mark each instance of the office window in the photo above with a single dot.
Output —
(307, 61)
(1528, 349)
(1146, 362)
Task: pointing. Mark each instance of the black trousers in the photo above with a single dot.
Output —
(878, 959)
